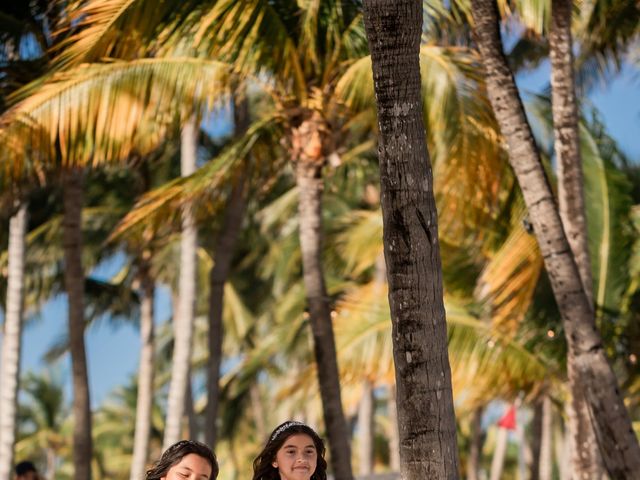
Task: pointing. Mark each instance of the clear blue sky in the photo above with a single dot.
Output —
(113, 353)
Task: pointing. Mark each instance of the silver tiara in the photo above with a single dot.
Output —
(283, 427)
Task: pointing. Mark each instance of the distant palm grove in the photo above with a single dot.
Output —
(361, 222)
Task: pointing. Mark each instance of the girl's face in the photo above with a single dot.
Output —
(297, 458)
(191, 467)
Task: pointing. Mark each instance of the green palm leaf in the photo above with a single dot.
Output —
(608, 205)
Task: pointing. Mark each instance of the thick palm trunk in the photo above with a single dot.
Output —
(426, 418)
(585, 456)
(475, 452)
(144, 400)
(183, 323)
(616, 439)
(74, 285)
(308, 169)
(365, 429)
(217, 279)
(11, 341)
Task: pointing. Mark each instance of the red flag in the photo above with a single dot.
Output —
(508, 420)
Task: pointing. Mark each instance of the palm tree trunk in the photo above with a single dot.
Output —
(144, 400)
(217, 279)
(183, 323)
(475, 452)
(190, 412)
(545, 467)
(394, 432)
(536, 439)
(11, 341)
(499, 453)
(258, 411)
(586, 461)
(365, 429)
(618, 444)
(74, 284)
(308, 169)
(428, 447)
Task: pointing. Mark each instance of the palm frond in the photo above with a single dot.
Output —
(608, 207)
(124, 29)
(100, 112)
(207, 186)
(256, 36)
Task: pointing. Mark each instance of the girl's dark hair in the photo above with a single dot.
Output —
(176, 452)
(263, 468)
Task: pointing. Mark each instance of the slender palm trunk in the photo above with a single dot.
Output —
(74, 284)
(258, 411)
(586, 461)
(308, 163)
(394, 432)
(11, 341)
(144, 400)
(545, 467)
(365, 429)
(536, 439)
(183, 322)
(475, 452)
(190, 411)
(428, 447)
(612, 425)
(499, 453)
(217, 279)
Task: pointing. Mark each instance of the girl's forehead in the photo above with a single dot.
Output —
(298, 439)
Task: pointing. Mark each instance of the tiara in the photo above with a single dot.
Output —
(283, 427)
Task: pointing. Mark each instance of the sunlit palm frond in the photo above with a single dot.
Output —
(256, 36)
(470, 168)
(484, 363)
(360, 244)
(123, 29)
(508, 282)
(93, 113)
(208, 185)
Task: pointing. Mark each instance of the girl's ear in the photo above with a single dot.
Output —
(275, 464)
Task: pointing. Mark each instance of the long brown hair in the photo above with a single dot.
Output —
(176, 452)
(263, 468)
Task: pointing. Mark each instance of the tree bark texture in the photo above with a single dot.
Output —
(585, 457)
(12, 340)
(74, 285)
(144, 401)
(612, 424)
(309, 181)
(426, 418)
(217, 280)
(183, 323)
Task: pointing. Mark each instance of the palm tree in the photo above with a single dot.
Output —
(183, 322)
(11, 339)
(612, 425)
(412, 251)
